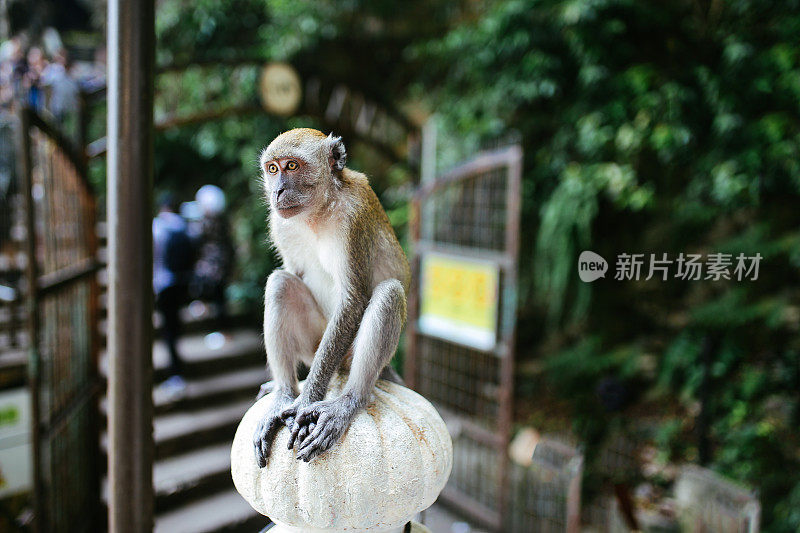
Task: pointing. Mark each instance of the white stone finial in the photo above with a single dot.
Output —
(391, 464)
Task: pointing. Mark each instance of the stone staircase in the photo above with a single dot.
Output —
(191, 475)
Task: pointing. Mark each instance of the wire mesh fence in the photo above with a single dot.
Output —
(460, 379)
(62, 292)
(470, 215)
(708, 502)
(546, 495)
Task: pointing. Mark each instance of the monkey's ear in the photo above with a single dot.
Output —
(337, 154)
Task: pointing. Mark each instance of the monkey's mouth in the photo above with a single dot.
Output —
(288, 211)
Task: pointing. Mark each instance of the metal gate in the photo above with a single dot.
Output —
(470, 214)
(62, 300)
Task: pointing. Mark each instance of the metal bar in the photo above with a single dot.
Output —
(32, 297)
(465, 426)
(411, 355)
(472, 508)
(53, 281)
(471, 169)
(506, 393)
(131, 44)
(502, 259)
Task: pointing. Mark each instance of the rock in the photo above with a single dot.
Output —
(391, 464)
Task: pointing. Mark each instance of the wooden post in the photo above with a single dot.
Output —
(131, 44)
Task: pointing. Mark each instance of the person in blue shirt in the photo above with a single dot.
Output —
(173, 260)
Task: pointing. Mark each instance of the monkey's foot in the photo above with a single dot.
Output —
(268, 428)
(321, 425)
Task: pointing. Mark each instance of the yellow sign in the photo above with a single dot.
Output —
(280, 88)
(458, 300)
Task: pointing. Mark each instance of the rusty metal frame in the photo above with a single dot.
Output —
(47, 285)
(509, 159)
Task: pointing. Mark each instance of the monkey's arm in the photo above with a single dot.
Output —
(337, 339)
(320, 425)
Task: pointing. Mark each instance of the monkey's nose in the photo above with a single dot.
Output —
(279, 192)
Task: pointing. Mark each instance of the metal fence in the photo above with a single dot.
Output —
(59, 211)
(546, 495)
(472, 212)
(707, 502)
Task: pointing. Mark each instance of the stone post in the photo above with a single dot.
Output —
(391, 464)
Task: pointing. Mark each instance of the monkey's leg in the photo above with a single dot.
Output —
(390, 374)
(320, 425)
(293, 325)
(265, 389)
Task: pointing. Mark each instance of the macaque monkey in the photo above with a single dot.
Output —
(338, 303)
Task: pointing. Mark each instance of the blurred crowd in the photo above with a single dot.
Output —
(41, 74)
(44, 76)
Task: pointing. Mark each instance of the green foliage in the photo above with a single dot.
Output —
(648, 127)
(651, 127)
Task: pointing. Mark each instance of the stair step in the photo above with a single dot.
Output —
(189, 323)
(183, 478)
(243, 348)
(202, 392)
(224, 512)
(205, 392)
(177, 433)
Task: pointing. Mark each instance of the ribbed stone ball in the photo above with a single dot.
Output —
(391, 464)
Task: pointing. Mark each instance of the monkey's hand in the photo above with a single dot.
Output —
(268, 428)
(321, 425)
(289, 414)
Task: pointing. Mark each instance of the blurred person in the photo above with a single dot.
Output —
(36, 63)
(63, 88)
(215, 255)
(173, 257)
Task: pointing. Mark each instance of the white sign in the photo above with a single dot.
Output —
(16, 452)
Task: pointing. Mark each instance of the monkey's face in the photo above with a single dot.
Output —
(290, 185)
(300, 166)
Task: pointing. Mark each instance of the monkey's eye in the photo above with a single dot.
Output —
(272, 168)
(291, 165)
